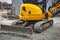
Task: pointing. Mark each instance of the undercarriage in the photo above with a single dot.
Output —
(24, 27)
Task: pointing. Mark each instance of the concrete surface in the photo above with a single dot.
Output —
(52, 33)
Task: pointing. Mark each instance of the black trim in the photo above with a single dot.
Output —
(46, 15)
(44, 6)
(23, 8)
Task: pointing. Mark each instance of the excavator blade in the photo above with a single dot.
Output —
(15, 30)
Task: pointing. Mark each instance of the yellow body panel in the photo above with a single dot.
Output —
(50, 15)
(36, 12)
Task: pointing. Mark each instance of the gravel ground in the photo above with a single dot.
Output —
(52, 33)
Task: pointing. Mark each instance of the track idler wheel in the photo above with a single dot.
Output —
(38, 28)
(51, 22)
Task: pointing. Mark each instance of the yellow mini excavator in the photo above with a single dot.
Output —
(33, 17)
(33, 12)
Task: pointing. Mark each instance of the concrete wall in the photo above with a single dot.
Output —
(16, 5)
